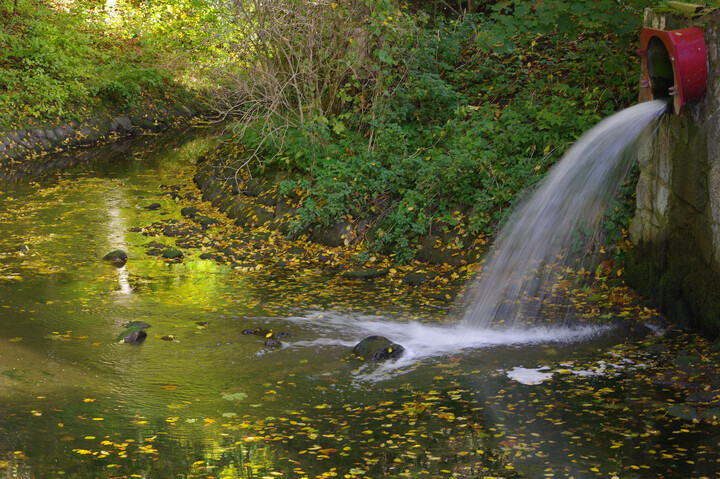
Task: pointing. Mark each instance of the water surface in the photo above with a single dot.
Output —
(214, 402)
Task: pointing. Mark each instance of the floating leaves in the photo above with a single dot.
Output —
(235, 396)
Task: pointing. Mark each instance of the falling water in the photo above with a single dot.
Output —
(534, 245)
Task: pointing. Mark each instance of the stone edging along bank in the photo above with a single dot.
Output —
(18, 145)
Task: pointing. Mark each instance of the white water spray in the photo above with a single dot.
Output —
(535, 241)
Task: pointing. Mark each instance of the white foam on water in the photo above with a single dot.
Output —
(424, 341)
(530, 375)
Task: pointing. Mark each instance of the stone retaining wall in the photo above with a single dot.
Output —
(19, 145)
(676, 228)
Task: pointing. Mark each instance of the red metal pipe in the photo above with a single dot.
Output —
(680, 53)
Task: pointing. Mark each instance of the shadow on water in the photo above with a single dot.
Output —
(133, 154)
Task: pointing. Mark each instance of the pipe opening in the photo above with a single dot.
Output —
(674, 66)
(660, 69)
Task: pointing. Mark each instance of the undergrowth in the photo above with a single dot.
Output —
(482, 106)
(62, 61)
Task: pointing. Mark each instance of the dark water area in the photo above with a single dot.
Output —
(198, 398)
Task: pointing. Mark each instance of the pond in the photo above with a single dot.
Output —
(199, 398)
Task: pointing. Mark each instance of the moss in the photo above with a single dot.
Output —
(685, 9)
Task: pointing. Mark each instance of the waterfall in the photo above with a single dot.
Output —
(540, 240)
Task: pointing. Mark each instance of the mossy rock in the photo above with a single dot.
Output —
(688, 363)
(189, 212)
(205, 221)
(117, 257)
(680, 411)
(172, 253)
(419, 277)
(135, 334)
(377, 348)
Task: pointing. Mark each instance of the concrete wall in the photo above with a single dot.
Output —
(676, 228)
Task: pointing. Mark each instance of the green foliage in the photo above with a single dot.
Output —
(58, 64)
(467, 117)
(511, 19)
(383, 115)
(305, 66)
(616, 221)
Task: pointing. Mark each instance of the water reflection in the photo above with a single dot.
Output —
(123, 278)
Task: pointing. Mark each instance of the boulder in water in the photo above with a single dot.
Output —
(135, 334)
(117, 257)
(377, 348)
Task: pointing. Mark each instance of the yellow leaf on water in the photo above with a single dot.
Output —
(15, 340)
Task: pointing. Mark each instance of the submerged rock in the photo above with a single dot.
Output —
(377, 348)
(273, 344)
(117, 257)
(268, 333)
